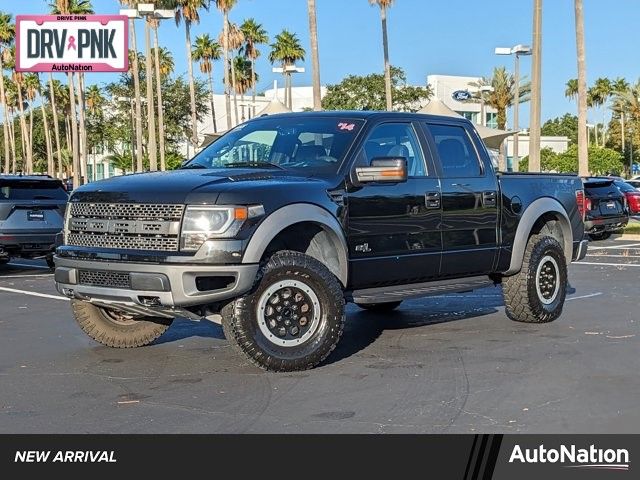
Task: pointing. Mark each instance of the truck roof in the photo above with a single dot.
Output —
(366, 115)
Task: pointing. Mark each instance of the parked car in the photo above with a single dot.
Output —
(31, 215)
(632, 196)
(634, 183)
(607, 211)
(278, 223)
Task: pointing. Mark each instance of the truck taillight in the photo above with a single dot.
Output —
(581, 203)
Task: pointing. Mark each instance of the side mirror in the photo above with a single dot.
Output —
(383, 169)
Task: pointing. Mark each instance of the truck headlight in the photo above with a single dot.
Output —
(202, 222)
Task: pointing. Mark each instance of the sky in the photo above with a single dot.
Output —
(452, 37)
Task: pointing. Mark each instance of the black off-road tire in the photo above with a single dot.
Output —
(379, 307)
(522, 301)
(4, 260)
(99, 325)
(596, 237)
(240, 318)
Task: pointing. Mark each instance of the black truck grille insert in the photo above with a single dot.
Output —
(126, 226)
(95, 278)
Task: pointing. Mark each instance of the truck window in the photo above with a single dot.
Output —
(456, 152)
(394, 140)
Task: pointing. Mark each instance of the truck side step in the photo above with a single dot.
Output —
(417, 290)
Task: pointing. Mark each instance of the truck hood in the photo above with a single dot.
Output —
(189, 186)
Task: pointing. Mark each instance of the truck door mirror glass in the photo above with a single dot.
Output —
(383, 169)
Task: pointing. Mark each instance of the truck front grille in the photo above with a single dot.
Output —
(95, 278)
(130, 226)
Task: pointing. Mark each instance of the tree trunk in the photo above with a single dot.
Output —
(55, 124)
(47, 136)
(387, 67)
(136, 90)
(235, 93)
(213, 106)
(82, 129)
(26, 141)
(315, 60)
(583, 149)
(227, 86)
(77, 181)
(151, 109)
(192, 88)
(14, 160)
(253, 82)
(163, 164)
(67, 132)
(5, 123)
(536, 89)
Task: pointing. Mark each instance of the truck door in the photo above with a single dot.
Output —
(469, 202)
(392, 236)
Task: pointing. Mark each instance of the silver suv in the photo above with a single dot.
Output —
(31, 215)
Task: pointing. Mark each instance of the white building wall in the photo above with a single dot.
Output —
(445, 85)
(557, 144)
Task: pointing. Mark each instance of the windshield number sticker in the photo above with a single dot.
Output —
(346, 126)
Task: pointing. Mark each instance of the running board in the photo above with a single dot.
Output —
(416, 290)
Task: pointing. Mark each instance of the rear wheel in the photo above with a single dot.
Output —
(379, 307)
(293, 317)
(537, 293)
(599, 236)
(117, 329)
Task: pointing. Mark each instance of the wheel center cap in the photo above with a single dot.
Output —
(287, 312)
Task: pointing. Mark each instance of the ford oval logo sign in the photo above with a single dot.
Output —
(461, 95)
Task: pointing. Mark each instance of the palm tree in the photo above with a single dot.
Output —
(7, 35)
(33, 89)
(55, 86)
(254, 35)
(234, 40)
(77, 7)
(51, 169)
(159, 68)
(206, 51)
(95, 103)
(18, 79)
(225, 7)
(134, 66)
(384, 6)
(11, 104)
(286, 50)
(315, 58)
(571, 88)
(583, 148)
(504, 92)
(626, 102)
(245, 77)
(189, 11)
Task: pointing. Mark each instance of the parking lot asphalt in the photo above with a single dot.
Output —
(447, 364)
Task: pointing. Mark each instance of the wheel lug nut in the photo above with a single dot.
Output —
(294, 330)
(282, 331)
(279, 318)
(287, 322)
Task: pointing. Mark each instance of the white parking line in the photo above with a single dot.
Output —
(40, 267)
(585, 296)
(607, 264)
(615, 247)
(33, 294)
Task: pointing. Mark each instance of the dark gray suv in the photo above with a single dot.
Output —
(31, 215)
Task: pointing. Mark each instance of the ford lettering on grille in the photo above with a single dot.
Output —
(125, 226)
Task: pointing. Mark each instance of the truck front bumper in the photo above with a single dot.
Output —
(151, 285)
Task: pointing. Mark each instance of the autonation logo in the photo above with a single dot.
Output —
(573, 457)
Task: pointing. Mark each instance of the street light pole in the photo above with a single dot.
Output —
(517, 51)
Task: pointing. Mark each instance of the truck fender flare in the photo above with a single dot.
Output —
(529, 218)
(299, 213)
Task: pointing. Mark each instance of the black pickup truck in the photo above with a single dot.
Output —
(276, 225)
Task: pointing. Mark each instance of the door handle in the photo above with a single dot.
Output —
(432, 200)
(461, 185)
(489, 199)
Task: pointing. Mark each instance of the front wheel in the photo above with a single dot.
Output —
(115, 329)
(537, 293)
(293, 317)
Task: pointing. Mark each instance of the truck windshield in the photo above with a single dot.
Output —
(315, 146)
